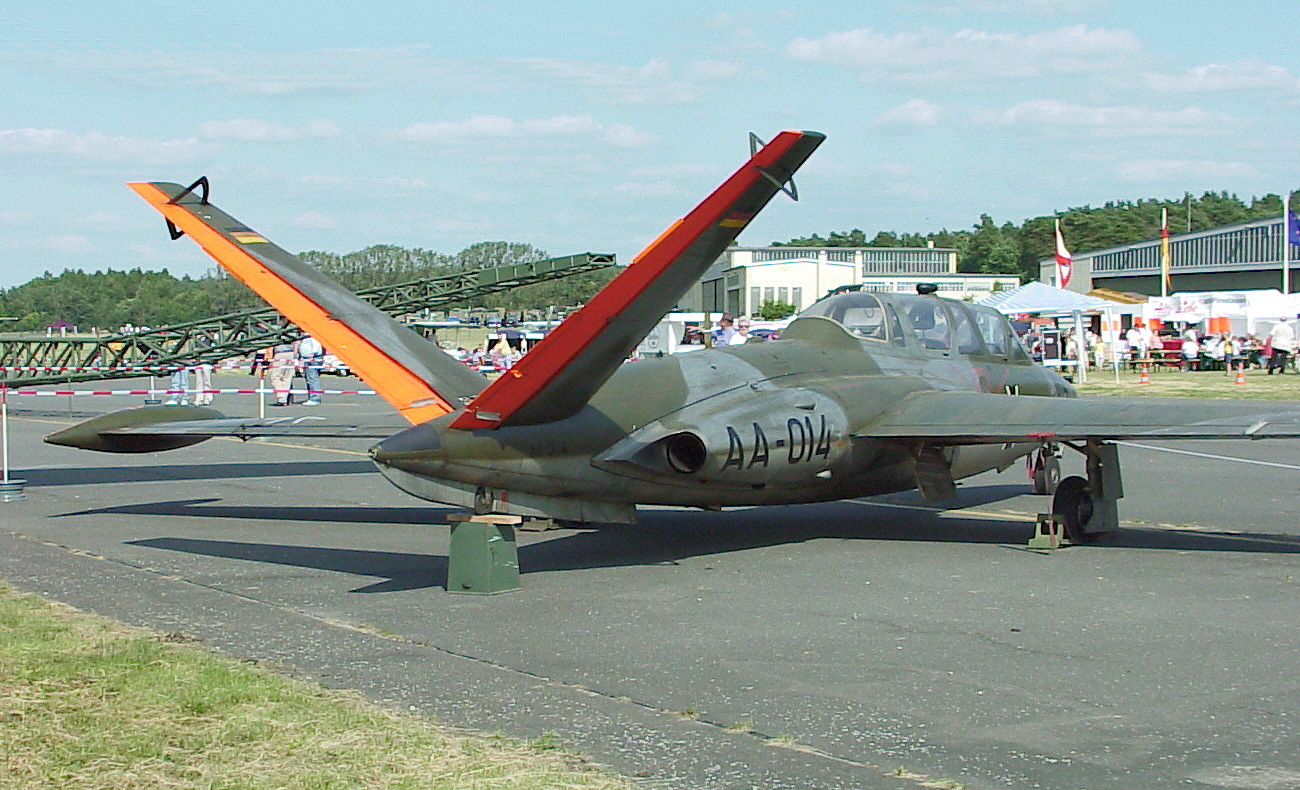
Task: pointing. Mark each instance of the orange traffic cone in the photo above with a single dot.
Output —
(1241, 375)
(1145, 378)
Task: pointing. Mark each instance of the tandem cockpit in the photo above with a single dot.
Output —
(941, 326)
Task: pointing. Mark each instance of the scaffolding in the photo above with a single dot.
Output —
(51, 360)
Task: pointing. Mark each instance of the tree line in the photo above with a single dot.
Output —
(110, 299)
(990, 248)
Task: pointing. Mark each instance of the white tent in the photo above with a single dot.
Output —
(1036, 297)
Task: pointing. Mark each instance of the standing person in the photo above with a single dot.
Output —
(1137, 342)
(1283, 337)
(741, 335)
(724, 331)
(203, 391)
(1190, 353)
(1231, 351)
(283, 364)
(178, 389)
(311, 356)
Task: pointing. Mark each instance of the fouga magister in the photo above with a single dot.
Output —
(862, 394)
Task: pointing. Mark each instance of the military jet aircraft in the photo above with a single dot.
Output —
(862, 394)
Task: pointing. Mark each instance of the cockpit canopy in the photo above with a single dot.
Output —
(941, 325)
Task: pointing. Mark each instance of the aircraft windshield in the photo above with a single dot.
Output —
(860, 313)
(928, 318)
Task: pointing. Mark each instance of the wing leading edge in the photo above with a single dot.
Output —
(560, 374)
(417, 378)
(981, 418)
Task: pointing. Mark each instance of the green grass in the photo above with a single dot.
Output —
(87, 703)
(1195, 384)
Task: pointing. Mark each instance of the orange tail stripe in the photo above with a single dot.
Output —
(410, 395)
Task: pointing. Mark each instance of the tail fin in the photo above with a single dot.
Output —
(411, 373)
(557, 377)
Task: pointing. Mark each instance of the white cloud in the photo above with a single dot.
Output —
(652, 83)
(251, 130)
(496, 126)
(247, 130)
(102, 147)
(1035, 7)
(942, 58)
(313, 220)
(1109, 122)
(712, 69)
(66, 243)
(1239, 75)
(914, 112)
(1165, 170)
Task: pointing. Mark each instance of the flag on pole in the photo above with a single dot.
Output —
(1063, 260)
(1292, 227)
(1166, 285)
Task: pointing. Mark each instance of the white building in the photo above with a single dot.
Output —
(743, 278)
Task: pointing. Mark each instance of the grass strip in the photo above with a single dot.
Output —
(86, 702)
(1195, 384)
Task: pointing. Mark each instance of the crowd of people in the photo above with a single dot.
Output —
(1188, 348)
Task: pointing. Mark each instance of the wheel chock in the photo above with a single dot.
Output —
(483, 558)
(1048, 532)
(537, 525)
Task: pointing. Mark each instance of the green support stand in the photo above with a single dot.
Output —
(483, 558)
(1048, 533)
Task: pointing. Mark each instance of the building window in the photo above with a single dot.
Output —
(796, 297)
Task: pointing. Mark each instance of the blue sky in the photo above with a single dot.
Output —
(577, 126)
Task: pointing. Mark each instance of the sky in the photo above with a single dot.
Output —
(590, 126)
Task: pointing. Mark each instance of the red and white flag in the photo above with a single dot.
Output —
(1063, 260)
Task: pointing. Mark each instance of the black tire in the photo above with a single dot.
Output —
(1073, 503)
(1047, 474)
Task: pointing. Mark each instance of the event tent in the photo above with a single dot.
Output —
(1037, 297)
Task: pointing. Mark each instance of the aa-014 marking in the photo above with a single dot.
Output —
(803, 443)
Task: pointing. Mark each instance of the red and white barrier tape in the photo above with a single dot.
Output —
(187, 392)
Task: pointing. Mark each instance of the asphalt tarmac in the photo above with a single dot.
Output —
(870, 643)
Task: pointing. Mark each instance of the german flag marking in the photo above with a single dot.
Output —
(247, 237)
(736, 220)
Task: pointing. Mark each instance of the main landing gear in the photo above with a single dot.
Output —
(1087, 508)
(1045, 468)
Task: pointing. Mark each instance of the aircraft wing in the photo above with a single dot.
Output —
(561, 373)
(252, 427)
(150, 429)
(982, 418)
(411, 373)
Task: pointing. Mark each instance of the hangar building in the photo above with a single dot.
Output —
(1242, 257)
(743, 278)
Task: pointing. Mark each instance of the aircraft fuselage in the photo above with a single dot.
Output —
(757, 424)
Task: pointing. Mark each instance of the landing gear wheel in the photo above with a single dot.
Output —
(1046, 473)
(1073, 502)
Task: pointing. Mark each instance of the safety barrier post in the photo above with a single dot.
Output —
(11, 489)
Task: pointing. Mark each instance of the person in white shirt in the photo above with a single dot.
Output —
(741, 335)
(1283, 337)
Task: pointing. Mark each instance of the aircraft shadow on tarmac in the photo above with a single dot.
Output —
(662, 537)
(88, 475)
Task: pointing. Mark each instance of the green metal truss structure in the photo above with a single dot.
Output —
(53, 360)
